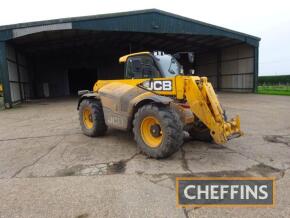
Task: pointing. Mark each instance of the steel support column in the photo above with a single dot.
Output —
(219, 70)
(4, 76)
(256, 68)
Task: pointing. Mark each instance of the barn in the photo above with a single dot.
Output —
(55, 58)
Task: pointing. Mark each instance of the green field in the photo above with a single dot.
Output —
(274, 85)
(274, 90)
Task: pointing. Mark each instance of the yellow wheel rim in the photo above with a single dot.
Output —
(151, 131)
(87, 118)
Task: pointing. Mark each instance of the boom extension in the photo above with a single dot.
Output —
(204, 104)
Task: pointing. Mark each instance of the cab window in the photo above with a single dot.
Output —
(139, 67)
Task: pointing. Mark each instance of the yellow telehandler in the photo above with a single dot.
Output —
(158, 102)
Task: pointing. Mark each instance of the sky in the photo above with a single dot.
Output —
(269, 20)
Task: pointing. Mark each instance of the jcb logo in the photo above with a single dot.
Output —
(158, 85)
(116, 121)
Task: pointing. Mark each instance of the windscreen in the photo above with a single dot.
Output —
(168, 65)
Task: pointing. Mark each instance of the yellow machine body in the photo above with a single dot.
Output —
(158, 103)
(196, 91)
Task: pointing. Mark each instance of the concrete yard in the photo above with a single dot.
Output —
(48, 168)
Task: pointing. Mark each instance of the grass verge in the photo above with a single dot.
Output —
(274, 90)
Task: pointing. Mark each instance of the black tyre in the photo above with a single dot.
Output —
(200, 134)
(157, 130)
(91, 117)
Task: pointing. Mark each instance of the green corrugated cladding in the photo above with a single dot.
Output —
(150, 21)
(4, 77)
(5, 35)
(160, 23)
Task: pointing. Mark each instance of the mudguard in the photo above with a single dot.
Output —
(88, 95)
(120, 101)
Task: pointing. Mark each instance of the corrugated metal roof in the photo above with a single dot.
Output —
(151, 20)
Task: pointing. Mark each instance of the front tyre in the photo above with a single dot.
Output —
(91, 117)
(157, 130)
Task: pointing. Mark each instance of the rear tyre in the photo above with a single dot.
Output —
(157, 130)
(91, 117)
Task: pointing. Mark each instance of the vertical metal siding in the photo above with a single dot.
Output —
(237, 68)
(206, 65)
(4, 73)
(20, 84)
(256, 69)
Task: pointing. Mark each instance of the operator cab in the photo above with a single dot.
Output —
(151, 65)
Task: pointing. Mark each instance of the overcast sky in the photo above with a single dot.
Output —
(269, 20)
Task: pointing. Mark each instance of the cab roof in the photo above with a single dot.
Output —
(124, 58)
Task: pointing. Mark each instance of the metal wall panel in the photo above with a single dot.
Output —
(24, 74)
(15, 92)
(207, 70)
(4, 77)
(230, 69)
(213, 80)
(237, 82)
(206, 65)
(237, 68)
(36, 29)
(246, 65)
(20, 84)
(22, 60)
(10, 53)
(12, 69)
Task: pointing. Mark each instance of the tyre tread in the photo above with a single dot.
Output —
(172, 126)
